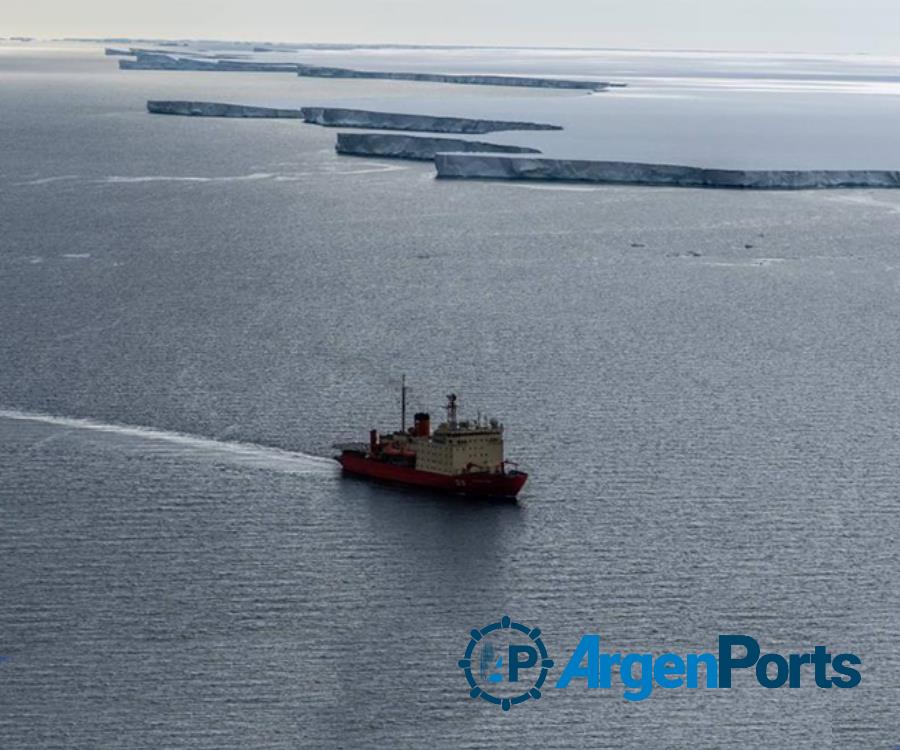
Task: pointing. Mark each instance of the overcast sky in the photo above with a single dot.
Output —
(776, 25)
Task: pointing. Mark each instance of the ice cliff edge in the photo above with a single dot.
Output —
(217, 109)
(634, 173)
(415, 147)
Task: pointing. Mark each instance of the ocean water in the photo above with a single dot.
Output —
(701, 384)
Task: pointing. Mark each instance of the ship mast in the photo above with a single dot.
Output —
(403, 404)
(451, 411)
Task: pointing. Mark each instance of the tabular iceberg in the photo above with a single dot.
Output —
(163, 61)
(361, 118)
(148, 59)
(218, 109)
(635, 173)
(415, 147)
(319, 71)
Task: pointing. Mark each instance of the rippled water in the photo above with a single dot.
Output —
(701, 384)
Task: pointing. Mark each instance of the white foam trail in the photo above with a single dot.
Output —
(120, 180)
(561, 188)
(253, 177)
(48, 180)
(375, 167)
(754, 263)
(247, 454)
(866, 199)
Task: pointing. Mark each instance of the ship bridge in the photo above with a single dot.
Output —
(457, 446)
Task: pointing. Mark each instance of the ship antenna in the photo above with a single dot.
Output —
(403, 404)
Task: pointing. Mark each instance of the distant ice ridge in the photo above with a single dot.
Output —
(345, 118)
(163, 61)
(634, 173)
(318, 71)
(361, 118)
(156, 60)
(217, 109)
(415, 147)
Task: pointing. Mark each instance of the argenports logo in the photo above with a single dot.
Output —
(506, 663)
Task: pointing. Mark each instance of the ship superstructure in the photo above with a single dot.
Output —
(459, 456)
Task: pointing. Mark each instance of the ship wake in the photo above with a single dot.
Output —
(162, 442)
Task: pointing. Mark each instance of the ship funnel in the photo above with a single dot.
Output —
(422, 423)
(373, 441)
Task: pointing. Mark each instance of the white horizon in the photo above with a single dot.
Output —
(740, 26)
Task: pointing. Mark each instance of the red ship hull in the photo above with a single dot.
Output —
(473, 484)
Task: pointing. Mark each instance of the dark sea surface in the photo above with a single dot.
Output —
(703, 386)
